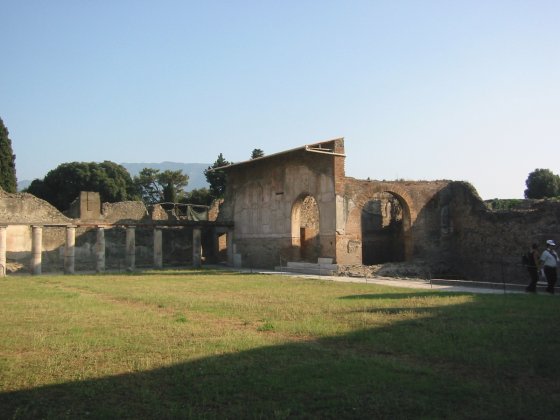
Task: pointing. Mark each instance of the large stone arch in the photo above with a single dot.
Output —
(403, 245)
(305, 228)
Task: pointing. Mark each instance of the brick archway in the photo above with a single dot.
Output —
(398, 239)
(305, 228)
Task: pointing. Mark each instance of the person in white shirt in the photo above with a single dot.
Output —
(549, 259)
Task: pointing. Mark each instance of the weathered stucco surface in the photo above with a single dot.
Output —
(443, 226)
(264, 196)
(22, 208)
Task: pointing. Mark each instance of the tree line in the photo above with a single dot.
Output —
(63, 184)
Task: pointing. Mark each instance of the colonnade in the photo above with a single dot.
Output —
(70, 247)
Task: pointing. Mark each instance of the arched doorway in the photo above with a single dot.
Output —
(305, 229)
(383, 222)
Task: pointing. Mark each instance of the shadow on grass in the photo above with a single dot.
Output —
(409, 369)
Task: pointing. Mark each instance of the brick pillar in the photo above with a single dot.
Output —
(130, 247)
(100, 250)
(197, 248)
(70, 250)
(3, 269)
(158, 248)
(36, 248)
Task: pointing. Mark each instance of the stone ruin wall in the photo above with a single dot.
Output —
(447, 230)
(488, 244)
(260, 197)
(22, 208)
(20, 211)
(453, 234)
(420, 216)
(125, 212)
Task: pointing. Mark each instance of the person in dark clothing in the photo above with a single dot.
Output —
(533, 268)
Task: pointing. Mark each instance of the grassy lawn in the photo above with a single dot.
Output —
(210, 344)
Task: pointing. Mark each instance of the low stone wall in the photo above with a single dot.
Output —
(124, 212)
(23, 208)
(488, 244)
(265, 252)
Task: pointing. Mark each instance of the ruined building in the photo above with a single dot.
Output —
(299, 206)
(296, 210)
(35, 237)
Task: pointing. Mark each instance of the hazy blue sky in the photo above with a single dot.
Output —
(421, 90)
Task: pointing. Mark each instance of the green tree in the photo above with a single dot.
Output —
(62, 185)
(257, 153)
(158, 187)
(169, 194)
(542, 183)
(8, 181)
(113, 182)
(217, 178)
(146, 183)
(199, 196)
(39, 189)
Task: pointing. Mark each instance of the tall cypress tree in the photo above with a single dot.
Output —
(8, 180)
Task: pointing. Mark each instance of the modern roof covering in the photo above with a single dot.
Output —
(324, 147)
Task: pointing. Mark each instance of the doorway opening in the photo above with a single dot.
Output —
(383, 238)
(305, 229)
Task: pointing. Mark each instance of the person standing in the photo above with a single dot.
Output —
(533, 268)
(549, 260)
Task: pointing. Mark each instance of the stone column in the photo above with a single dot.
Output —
(70, 250)
(100, 250)
(3, 268)
(130, 248)
(158, 248)
(36, 248)
(197, 248)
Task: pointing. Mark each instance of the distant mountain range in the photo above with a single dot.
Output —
(23, 184)
(195, 171)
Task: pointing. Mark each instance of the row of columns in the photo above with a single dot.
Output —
(70, 249)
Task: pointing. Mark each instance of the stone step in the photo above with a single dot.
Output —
(297, 264)
(309, 268)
